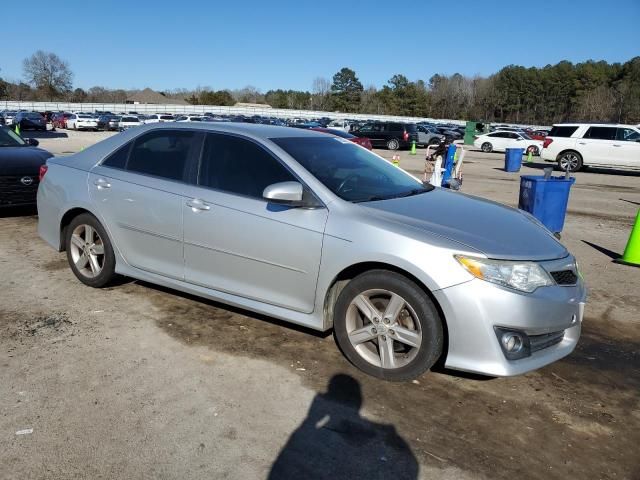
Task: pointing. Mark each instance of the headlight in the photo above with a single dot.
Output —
(523, 276)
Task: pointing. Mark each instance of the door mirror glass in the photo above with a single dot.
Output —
(32, 141)
(287, 193)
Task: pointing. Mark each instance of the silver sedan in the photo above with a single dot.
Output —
(320, 232)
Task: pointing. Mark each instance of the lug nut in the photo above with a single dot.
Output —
(376, 320)
(384, 338)
(392, 332)
(386, 320)
(374, 331)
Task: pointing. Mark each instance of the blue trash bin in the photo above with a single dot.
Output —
(546, 199)
(513, 159)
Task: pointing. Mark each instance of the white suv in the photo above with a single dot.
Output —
(575, 145)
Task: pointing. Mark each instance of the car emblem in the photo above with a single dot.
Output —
(26, 181)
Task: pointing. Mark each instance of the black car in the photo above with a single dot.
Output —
(30, 121)
(392, 135)
(20, 163)
(108, 122)
(449, 133)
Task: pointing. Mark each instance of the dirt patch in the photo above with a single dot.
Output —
(56, 265)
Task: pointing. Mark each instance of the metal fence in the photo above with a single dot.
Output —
(144, 108)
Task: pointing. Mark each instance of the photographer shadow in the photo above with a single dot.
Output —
(335, 441)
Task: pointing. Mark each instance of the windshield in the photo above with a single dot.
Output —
(8, 138)
(350, 171)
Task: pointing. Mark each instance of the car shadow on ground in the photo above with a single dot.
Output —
(39, 134)
(334, 441)
(26, 211)
(603, 171)
(205, 302)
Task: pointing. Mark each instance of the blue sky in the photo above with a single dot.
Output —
(286, 44)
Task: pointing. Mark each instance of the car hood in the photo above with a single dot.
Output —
(494, 229)
(17, 160)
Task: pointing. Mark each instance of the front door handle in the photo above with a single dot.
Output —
(197, 205)
(617, 145)
(582, 143)
(102, 183)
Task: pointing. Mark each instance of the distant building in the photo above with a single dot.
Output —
(147, 96)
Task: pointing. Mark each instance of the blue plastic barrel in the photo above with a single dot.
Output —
(513, 159)
(546, 199)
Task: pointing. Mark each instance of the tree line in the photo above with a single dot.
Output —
(587, 91)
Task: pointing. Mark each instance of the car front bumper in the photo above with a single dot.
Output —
(473, 310)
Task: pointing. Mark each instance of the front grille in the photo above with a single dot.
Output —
(565, 277)
(539, 342)
(14, 192)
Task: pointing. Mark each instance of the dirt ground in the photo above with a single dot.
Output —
(136, 381)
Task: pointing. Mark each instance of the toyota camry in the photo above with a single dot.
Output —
(318, 231)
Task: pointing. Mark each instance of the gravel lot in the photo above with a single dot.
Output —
(136, 381)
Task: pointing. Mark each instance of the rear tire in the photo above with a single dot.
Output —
(89, 251)
(393, 144)
(570, 161)
(487, 147)
(397, 340)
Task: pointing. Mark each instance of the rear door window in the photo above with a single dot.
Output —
(118, 159)
(563, 131)
(601, 133)
(162, 153)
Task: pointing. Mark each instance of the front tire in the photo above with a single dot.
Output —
(570, 161)
(89, 251)
(387, 326)
(393, 144)
(487, 147)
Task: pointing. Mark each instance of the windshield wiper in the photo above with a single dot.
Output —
(415, 191)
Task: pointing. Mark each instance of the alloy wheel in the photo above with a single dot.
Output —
(383, 328)
(87, 250)
(569, 161)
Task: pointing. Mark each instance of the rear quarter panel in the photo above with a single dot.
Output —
(62, 189)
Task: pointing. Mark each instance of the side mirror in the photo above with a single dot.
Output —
(285, 193)
(32, 142)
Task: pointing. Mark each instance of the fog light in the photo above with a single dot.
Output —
(512, 342)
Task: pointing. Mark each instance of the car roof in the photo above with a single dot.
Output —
(621, 125)
(256, 130)
(90, 156)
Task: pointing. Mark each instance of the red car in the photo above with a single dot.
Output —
(59, 120)
(538, 134)
(362, 141)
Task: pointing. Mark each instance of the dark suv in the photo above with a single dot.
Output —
(392, 135)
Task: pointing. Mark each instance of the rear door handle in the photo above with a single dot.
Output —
(617, 145)
(102, 183)
(582, 143)
(197, 205)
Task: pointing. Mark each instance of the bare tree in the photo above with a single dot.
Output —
(48, 73)
(320, 93)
